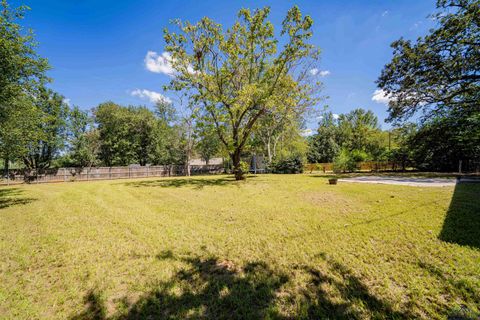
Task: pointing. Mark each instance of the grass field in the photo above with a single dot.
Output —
(274, 246)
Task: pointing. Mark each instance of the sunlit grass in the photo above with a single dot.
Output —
(278, 246)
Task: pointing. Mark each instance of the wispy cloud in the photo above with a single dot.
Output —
(307, 132)
(321, 73)
(157, 63)
(381, 96)
(416, 25)
(385, 13)
(150, 95)
(67, 101)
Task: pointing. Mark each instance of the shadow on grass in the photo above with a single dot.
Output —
(336, 293)
(12, 197)
(211, 288)
(462, 223)
(198, 183)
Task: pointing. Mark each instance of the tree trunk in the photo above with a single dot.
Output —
(237, 170)
(6, 166)
(269, 151)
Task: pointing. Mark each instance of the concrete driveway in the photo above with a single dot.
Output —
(404, 181)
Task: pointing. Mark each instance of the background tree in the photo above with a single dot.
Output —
(209, 144)
(49, 131)
(236, 76)
(82, 140)
(324, 145)
(441, 70)
(439, 75)
(22, 73)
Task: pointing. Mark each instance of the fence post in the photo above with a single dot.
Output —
(128, 172)
(64, 174)
(88, 178)
(147, 171)
(110, 173)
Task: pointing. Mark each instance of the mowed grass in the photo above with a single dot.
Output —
(274, 246)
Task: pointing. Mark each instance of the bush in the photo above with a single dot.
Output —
(344, 162)
(292, 164)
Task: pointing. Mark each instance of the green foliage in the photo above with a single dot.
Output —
(244, 167)
(439, 75)
(49, 132)
(346, 161)
(356, 133)
(83, 138)
(22, 74)
(236, 77)
(292, 164)
(22, 71)
(440, 71)
(324, 145)
(209, 144)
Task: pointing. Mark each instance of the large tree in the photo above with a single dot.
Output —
(22, 73)
(236, 76)
(440, 71)
(439, 75)
(48, 134)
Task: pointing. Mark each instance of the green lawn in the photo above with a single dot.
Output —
(274, 246)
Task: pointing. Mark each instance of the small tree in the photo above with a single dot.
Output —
(236, 76)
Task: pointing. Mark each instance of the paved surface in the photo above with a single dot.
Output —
(405, 181)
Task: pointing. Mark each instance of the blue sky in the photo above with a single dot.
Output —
(98, 48)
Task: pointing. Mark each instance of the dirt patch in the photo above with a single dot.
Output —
(332, 201)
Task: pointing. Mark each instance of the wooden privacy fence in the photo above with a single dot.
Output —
(361, 166)
(104, 173)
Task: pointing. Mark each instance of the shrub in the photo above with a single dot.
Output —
(293, 164)
(344, 161)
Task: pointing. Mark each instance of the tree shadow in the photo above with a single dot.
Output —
(12, 197)
(336, 293)
(460, 287)
(462, 223)
(197, 183)
(206, 288)
(211, 288)
(94, 307)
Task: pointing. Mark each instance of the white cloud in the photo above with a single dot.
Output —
(159, 63)
(67, 101)
(150, 95)
(385, 13)
(381, 96)
(307, 133)
(335, 116)
(321, 73)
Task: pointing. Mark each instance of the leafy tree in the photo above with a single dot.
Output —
(235, 77)
(440, 71)
(209, 144)
(439, 74)
(49, 131)
(22, 73)
(83, 139)
(18, 130)
(128, 134)
(323, 146)
(345, 161)
(356, 129)
(21, 69)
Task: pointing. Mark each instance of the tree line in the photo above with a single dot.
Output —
(242, 94)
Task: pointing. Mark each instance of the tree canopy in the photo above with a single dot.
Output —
(440, 71)
(235, 77)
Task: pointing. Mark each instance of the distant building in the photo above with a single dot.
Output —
(211, 162)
